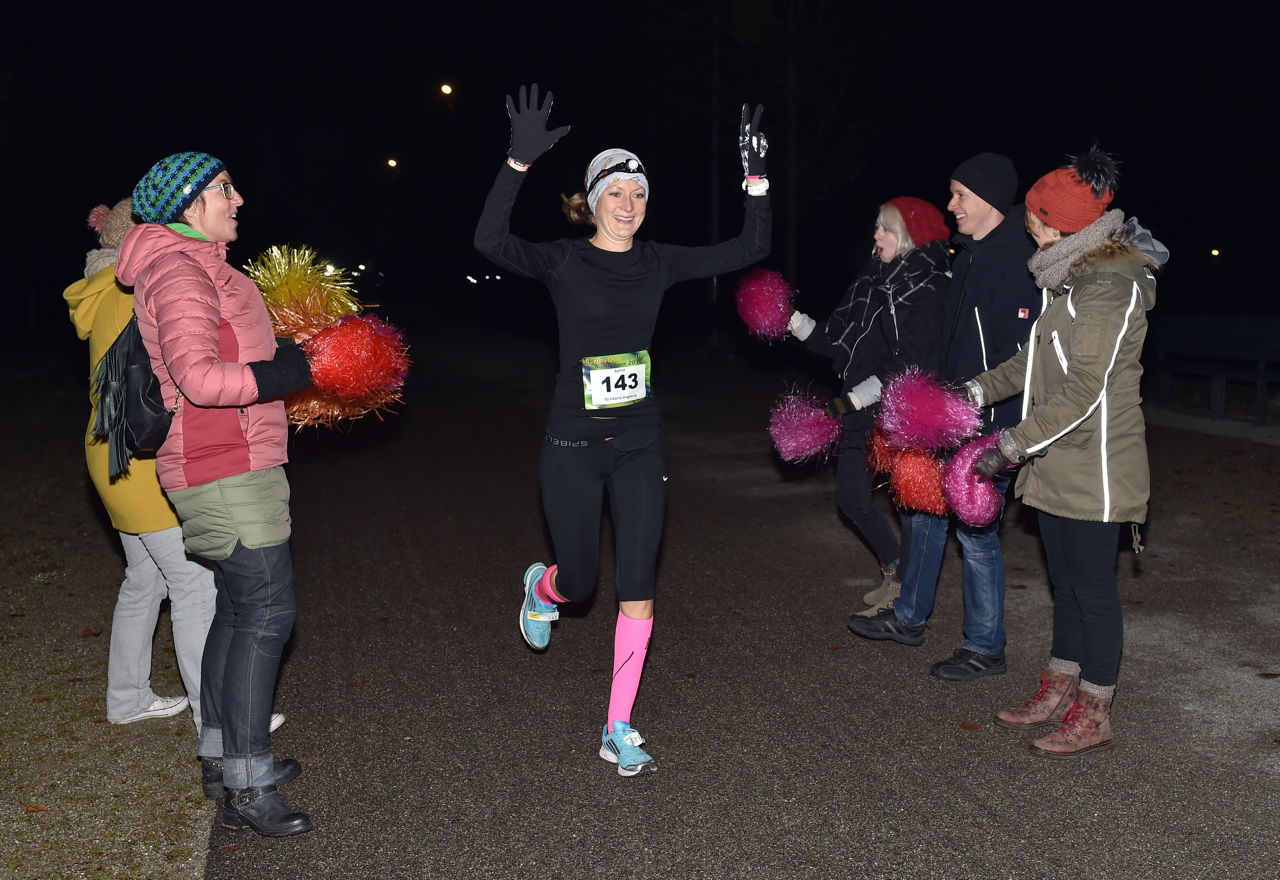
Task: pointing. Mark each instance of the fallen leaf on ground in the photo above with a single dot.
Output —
(500, 700)
(99, 721)
(19, 614)
(1136, 601)
(1017, 586)
(837, 647)
(969, 725)
(236, 848)
(37, 808)
(1269, 675)
(45, 700)
(383, 619)
(74, 680)
(359, 683)
(691, 675)
(89, 632)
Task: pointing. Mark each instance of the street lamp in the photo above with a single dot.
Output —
(446, 89)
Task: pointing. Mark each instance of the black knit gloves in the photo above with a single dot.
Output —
(529, 135)
(752, 145)
(289, 372)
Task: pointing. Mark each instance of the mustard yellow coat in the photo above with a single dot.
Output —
(100, 309)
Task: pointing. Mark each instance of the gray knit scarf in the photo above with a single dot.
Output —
(97, 260)
(1052, 267)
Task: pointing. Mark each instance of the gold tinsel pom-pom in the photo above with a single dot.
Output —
(303, 295)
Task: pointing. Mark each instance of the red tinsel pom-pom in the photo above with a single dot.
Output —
(765, 303)
(800, 429)
(358, 357)
(918, 411)
(881, 456)
(974, 499)
(917, 482)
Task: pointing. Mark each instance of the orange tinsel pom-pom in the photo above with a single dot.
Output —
(917, 482)
(881, 456)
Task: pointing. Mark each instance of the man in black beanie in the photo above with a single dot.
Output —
(990, 306)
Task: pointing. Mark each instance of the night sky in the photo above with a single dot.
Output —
(306, 108)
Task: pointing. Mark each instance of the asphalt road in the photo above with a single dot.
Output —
(437, 745)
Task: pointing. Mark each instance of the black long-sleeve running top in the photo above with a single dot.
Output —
(607, 302)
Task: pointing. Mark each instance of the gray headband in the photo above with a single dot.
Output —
(597, 179)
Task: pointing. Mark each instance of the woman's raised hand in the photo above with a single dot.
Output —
(529, 135)
(752, 144)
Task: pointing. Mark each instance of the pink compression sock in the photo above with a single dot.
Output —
(630, 645)
(543, 588)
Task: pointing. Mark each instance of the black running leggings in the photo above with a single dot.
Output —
(572, 482)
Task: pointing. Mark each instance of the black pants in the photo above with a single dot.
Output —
(853, 494)
(1088, 626)
(573, 480)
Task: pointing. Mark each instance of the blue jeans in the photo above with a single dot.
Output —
(983, 577)
(254, 618)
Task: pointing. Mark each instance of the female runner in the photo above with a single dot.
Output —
(604, 428)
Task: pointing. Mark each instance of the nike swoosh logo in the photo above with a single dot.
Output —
(664, 479)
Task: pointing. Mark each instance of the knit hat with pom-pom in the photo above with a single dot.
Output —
(923, 221)
(112, 223)
(1070, 198)
(172, 185)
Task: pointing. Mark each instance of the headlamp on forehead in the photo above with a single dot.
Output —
(627, 166)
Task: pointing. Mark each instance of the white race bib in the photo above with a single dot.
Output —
(616, 379)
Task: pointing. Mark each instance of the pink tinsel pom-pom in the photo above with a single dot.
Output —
(765, 303)
(917, 482)
(917, 411)
(973, 499)
(98, 217)
(800, 429)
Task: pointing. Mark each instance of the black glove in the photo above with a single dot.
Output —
(529, 135)
(990, 463)
(752, 145)
(289, 372)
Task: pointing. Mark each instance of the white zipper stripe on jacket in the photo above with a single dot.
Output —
(1057, 349)
(1031, 353)
(982, 340)
(1101, 401)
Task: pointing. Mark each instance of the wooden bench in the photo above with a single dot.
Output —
(1224, 349)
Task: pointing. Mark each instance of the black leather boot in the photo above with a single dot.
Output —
(263, 811)
(287, 770)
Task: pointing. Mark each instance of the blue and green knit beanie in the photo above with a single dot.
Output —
(172, 185)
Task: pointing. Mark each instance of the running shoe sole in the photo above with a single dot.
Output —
(643, 769)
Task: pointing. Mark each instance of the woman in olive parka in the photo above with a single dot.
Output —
(1082, 439)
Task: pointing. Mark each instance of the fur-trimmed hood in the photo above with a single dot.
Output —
(1117, 256)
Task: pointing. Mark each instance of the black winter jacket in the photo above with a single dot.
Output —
(890, 317)
(990, 306)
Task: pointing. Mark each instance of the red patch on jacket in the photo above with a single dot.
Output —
(1024, 313)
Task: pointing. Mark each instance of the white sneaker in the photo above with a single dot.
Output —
(161, 707)
(277, 718)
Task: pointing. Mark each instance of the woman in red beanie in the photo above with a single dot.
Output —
(889, 318)
(1082, 436)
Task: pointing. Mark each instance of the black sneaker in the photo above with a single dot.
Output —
(886, 625)
(966, 665)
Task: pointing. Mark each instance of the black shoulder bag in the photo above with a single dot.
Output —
(131, 411)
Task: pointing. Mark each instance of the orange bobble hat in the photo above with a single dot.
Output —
(923, 221)
(1074, 196)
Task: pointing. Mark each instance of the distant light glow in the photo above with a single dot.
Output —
(447, 89)
(953, 250)
(361, 267)
(472, 280)
(1214, 252)
(497, 277)
(391, 162)
(328, 269)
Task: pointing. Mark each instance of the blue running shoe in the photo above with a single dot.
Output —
(622, 747)
(536, 615)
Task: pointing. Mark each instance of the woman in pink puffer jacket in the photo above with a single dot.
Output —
(212, 346)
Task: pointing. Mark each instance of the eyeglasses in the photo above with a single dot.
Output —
(628, 166)
(228, 190)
